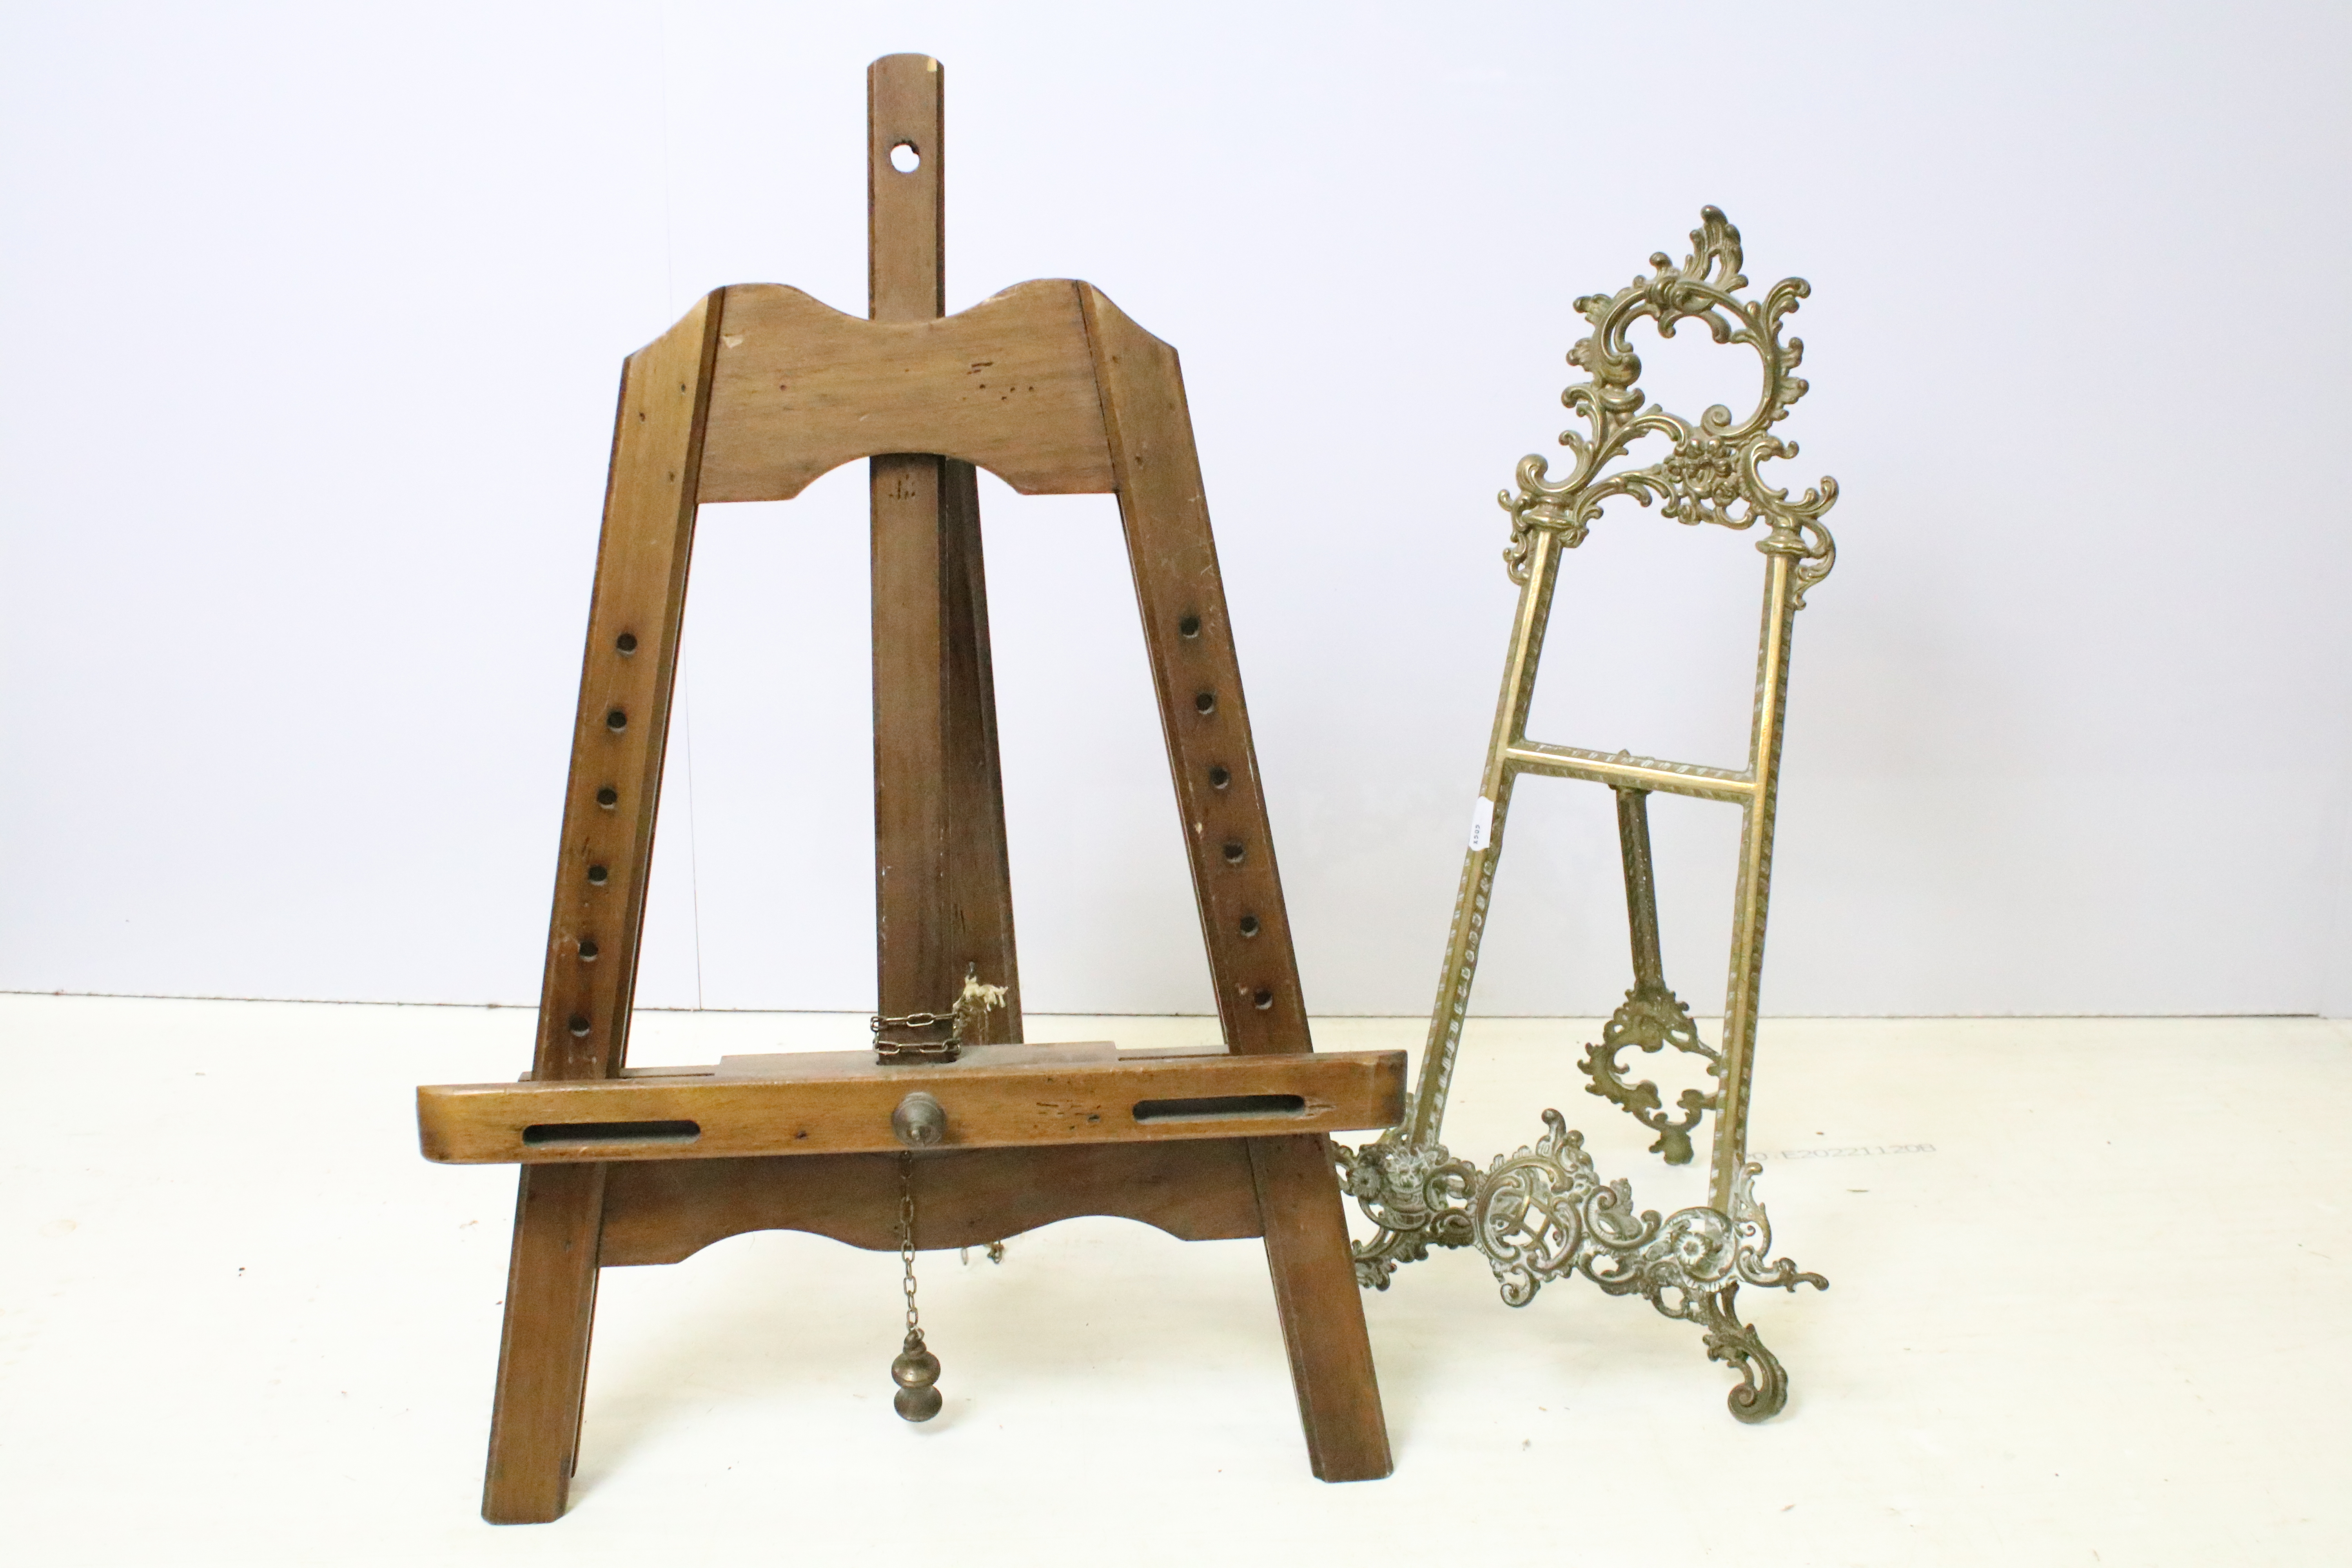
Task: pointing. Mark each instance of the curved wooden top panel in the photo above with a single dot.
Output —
(800, 388)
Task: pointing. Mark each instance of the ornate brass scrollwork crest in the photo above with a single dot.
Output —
(1710, 476)
(1543, 1212)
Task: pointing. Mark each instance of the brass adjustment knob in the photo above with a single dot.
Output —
(920, 1122)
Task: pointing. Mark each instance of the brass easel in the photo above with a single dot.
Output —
(1544, 1213)
(757, 391)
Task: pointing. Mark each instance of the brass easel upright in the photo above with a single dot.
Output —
(952, 1133)
(1543, 1212)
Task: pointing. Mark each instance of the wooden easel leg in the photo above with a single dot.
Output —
(1322, 1310)
(543, 1354)
(1197, 675)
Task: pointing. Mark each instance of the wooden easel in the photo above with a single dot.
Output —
(757, 391)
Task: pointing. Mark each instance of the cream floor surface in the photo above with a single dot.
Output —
(2093, 1311)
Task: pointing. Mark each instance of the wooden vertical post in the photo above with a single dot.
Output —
(942, 880)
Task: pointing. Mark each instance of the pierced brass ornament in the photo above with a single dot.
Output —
(1544, 1213)
(1652, 1016)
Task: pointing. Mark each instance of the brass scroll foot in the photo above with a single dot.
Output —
(1763, 1388)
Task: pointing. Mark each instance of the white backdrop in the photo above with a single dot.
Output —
(312, 316)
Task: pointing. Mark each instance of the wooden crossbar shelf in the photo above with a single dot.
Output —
(841, 1103)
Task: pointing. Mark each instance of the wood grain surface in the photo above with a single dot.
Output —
(1196, 672)
(756, 392)
(663, 1211)
(710, 1115)
(803, 389)
(1322, 1308)
(543, 1347)
(943, 881)
(619, 734)
(621, 729)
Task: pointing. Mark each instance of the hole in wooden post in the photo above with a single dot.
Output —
(1206, 702)
(1249, 925)
(1189, 626)
(608, 797)
(587, 951)
(579, 1026)
(616, 720)
(1234, 851)
(557, 1134)
(906, 157)
(1219, 778)
(1218, 1106)
(627, 642)
(596, 875)
(1264, 999)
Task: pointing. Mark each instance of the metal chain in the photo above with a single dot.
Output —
(880, 1021)
(916, 1370)
(906, 1236)
(967, 1014)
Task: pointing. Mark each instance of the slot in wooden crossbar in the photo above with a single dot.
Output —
(845, 1110)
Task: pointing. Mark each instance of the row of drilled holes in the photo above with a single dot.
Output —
(906, 158)
(1205, 703)
(615, 720)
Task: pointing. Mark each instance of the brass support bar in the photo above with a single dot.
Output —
(1477, 884)
(1625, 772)
(1754, 891)
(1641, 889)
(1651, 1017)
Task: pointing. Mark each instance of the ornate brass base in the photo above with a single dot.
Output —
(1544, 1213)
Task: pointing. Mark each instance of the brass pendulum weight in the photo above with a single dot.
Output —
(916, 1370)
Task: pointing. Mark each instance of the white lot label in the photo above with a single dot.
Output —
(1482, 823)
